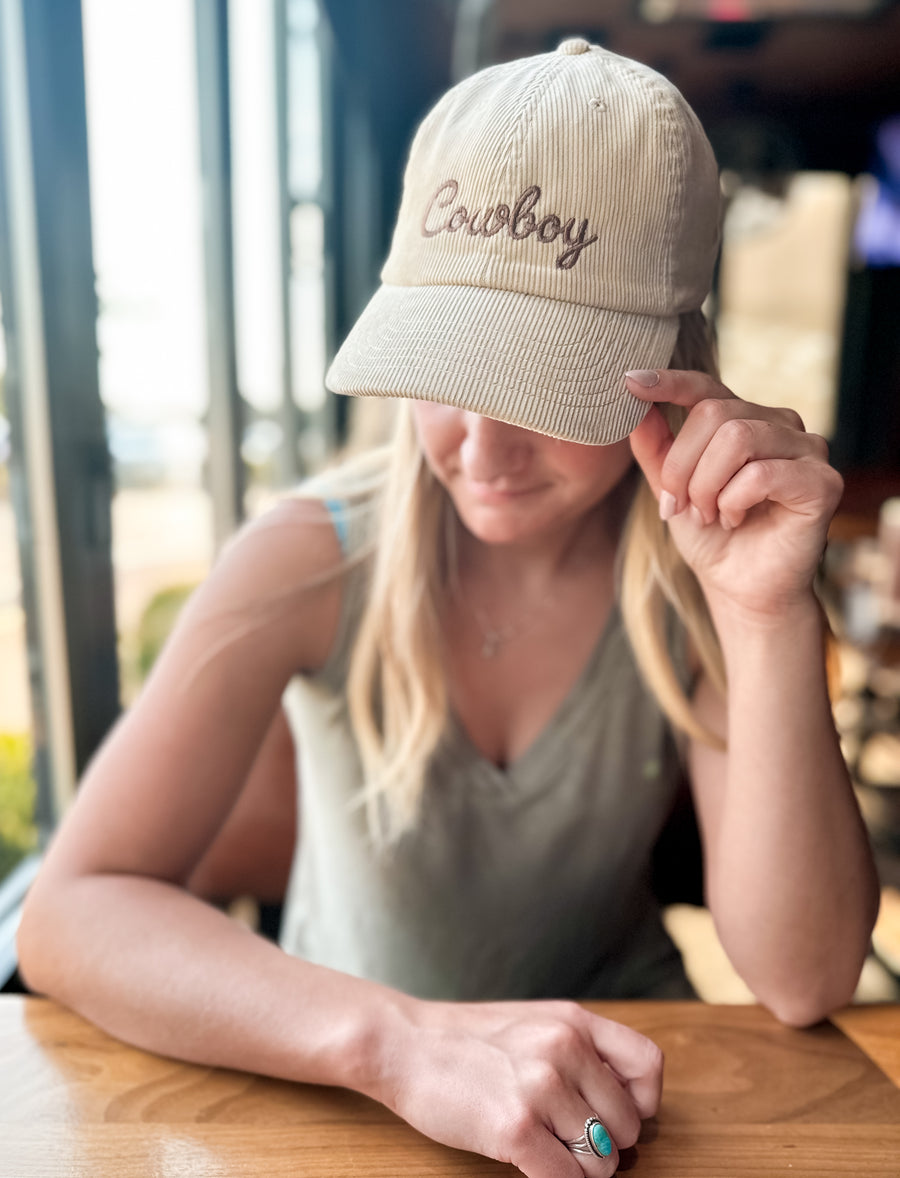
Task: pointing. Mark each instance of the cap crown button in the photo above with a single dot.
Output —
(574, 46)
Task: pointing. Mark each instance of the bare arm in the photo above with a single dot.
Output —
(111, 930)
(252, 853)
(789, 874)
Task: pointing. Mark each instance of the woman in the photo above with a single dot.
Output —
(486, 760)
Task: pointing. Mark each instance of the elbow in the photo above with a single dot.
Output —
(34, 943)
(799, 1013)
(811, 1005)
(28, 943)
(821, 988)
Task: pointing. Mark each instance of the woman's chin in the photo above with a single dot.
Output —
(500, 527)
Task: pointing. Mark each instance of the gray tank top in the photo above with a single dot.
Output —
(525, 882)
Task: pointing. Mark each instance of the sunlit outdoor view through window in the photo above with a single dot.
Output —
(141, 92)
(304, 183)
(147, 237)
(146, 203)
(280, 363)
(17, 788)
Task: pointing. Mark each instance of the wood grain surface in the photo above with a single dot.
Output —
(876, 1029)
(744, 1096)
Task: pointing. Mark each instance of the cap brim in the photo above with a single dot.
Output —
(543, 364)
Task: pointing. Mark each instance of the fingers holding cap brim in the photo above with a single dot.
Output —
(676, 387)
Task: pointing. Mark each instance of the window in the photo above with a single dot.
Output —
(114, 133)
(147, 227)
(278, 216)
(18, 832)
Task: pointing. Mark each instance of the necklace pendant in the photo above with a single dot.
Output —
(490, 644)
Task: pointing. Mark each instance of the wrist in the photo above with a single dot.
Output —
(777, 619)
(370, 1052)
(760, 648)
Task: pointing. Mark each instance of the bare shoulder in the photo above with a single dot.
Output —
(279, 580)
(158, 791)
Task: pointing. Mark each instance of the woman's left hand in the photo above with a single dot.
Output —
(748, 493)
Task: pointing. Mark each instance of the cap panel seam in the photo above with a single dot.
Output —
(533, 96)
(675, 225)
(664, 98)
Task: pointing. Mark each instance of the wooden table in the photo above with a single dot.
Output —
(744, 1096)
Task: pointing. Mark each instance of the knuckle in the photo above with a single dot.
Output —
(787, 418)
(564, 1011)
(518, 1130)
(756, 475)
(564, 1038)
(629, 1130)
(544, 1080)
(557, 1038)
(835, 484)
(654, 1059)
(793, 419)
(711, 412)
(740, 433)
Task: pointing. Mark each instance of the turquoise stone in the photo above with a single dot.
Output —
(600, 1140)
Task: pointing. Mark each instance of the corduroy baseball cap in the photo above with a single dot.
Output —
(559, 212)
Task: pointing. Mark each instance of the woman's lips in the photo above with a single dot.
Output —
(497, 493)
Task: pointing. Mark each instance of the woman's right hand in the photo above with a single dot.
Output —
(514, 1080)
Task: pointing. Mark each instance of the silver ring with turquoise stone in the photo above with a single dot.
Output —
(594, 1140)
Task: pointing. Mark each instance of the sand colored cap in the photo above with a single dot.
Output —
(558, 214)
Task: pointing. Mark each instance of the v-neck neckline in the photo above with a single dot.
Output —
(518, 768)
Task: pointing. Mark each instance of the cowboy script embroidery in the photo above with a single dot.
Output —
(520, 222)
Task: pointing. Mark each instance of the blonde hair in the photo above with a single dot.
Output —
(397, 689)
(655, 576)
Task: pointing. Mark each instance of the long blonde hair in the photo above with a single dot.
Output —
(397, 689)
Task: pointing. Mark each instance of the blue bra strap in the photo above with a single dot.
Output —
(337, 509)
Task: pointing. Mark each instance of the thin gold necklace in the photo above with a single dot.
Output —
(494, 638)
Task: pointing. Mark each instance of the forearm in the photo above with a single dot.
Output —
(166, 972)
(790, 881)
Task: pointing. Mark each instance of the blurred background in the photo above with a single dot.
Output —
(195, 200)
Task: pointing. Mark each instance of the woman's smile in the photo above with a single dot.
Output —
(499, 492)
(510, 484)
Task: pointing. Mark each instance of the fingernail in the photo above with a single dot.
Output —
(726, 524)
(645, 377)
(697, 517)
(667, 505)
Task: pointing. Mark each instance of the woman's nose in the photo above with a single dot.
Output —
(493, 449)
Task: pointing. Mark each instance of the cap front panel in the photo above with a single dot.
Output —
(699, 232)
(562, 176)
(455, 213)
(596, 161)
